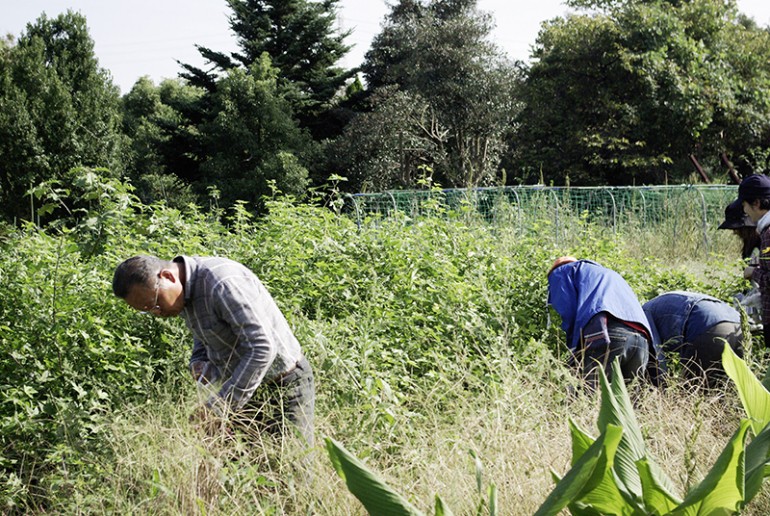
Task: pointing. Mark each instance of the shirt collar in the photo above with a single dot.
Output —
(191, 273)
(763, 222)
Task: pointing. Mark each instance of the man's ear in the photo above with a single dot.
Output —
(168, 274)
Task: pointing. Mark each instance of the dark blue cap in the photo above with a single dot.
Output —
(756, 186)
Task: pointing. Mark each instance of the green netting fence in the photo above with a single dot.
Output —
(682, 211)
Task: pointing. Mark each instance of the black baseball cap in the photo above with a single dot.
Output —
(735, 218)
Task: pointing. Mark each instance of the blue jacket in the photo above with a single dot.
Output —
(580, 290)
(678, 317)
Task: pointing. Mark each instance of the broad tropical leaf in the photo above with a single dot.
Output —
(605, 497)
(441, 508)
(616, 409)
(722, 491)
(657, 498)
(377, 497)
(581, 441)
(754, 396)
(587, 473)
(757, 452)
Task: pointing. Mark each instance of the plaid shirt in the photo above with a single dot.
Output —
(235, 320)
(761, 275)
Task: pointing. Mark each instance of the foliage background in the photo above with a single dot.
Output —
(621, 92)
(416, 327)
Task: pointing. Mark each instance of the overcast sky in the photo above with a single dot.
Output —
(147, 37)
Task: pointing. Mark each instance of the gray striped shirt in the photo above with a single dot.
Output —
(246, 337)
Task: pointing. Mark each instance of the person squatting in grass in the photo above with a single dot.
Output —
(603, 321)
(754, 196)
(240, 339)
(695, 327)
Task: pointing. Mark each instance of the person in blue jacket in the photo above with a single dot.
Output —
(602, 318)
(695, 327)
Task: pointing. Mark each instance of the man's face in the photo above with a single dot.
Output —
(163, 299)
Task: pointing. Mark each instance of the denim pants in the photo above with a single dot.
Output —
(284, 407)
(702, 356)
(630, 346)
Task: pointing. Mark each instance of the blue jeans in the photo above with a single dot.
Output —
(628, 345)
(702, 356)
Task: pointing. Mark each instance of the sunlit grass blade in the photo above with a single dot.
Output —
(657, 498)
(585, 474)
(375, 495)
(754, 396)
(492, 500)
(722, 491)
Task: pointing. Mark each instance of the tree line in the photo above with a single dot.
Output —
(618, 92)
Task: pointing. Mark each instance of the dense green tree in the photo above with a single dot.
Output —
(58, 108)
(251, 139)
(631, 92)
(438, 54)
(166, 150)
(394, 145)
(303, 43)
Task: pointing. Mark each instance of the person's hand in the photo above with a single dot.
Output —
(208, 422)
(197, 368)
(748, 271)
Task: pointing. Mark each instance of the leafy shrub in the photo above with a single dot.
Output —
(441, 302)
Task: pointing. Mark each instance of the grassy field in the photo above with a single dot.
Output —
(430, 340)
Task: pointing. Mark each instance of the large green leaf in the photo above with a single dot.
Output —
(604, 497)
(581, 441)
(657, 498)
(377, 497)
(757, 453)
(722, 491)
(587, 473)
(441, 508)
(616, 409)
(754, 396)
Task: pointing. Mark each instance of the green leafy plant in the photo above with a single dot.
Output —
(380, 499)
(613, 474)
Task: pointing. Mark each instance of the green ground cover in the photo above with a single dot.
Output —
(434, 358)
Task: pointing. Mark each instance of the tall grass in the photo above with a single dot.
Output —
(429, 339)
(517, 428)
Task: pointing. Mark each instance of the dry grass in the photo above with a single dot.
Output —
(517, 428)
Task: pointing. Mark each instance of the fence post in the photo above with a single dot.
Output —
(518, 207)
(614, 212)
(556, 212)
(704, 219)
(644, 208)
(393, 199)
(356, 210)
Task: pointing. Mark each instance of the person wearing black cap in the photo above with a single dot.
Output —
(743, 226)
(746, 229)
(754, 196)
